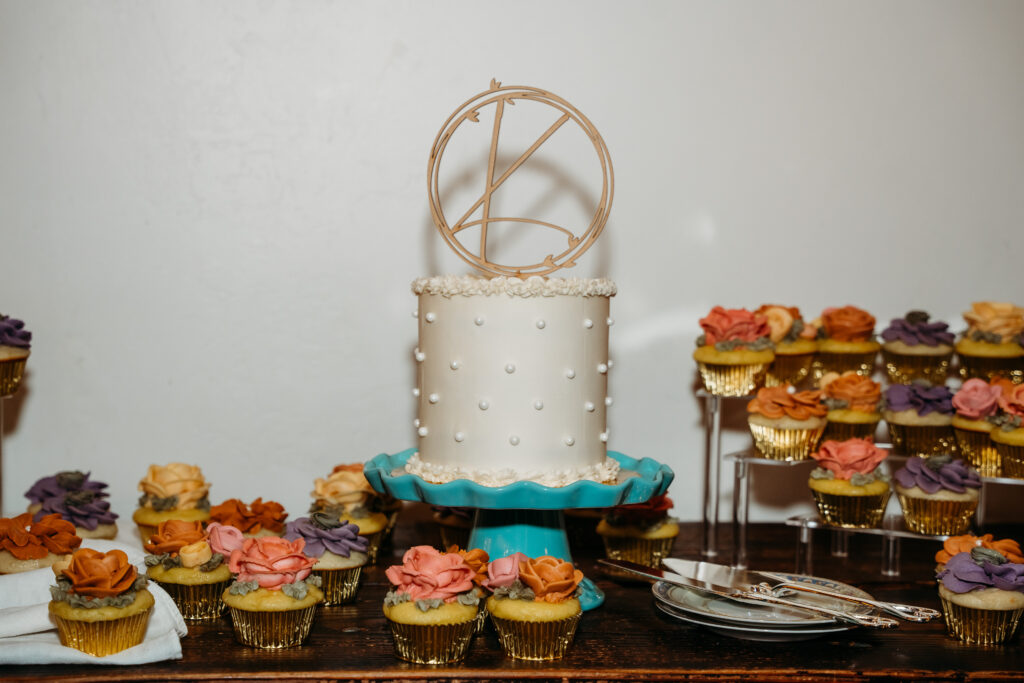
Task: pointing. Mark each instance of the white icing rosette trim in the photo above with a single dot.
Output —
(471, 285)
(604, 472)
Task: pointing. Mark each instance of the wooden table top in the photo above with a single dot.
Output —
(627, 638)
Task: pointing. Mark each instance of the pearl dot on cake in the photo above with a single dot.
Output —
(420, 356)
(541, 324)
(570, 373)
(514, 440)
(416, 422)
(607, 400)
(433, 398)
(538, 405)
(588, 406)
(588, 323)
(610, 322)
(602, 368)
(569, 441)
(478, 321)
(455, 365)
(416, 392)
(430, 317)
(604, 437)
(610, 363)
(415, 314)
(460, 437)
(510, 368)
(422, 431)
(483, 405)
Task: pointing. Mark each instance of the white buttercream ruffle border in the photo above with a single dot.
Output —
(603, 473)
(471, 285)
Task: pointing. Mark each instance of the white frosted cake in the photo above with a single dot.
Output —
(512, 379)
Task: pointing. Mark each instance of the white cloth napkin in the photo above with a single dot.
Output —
(29, 636)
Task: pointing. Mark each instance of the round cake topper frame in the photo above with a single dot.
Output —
(500, 97)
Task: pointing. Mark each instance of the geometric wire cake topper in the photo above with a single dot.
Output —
(502, 97)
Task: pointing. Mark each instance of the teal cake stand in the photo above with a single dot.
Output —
(525, 516)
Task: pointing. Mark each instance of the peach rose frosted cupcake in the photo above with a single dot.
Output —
(847, 485)
(915, 348)
(1008, 437)
(976, 405)
(253, 519)
(993, 344)
(182, 562)
(15, 348)
(846, 341)
(982, 594)
(432, 607)
(794, 344)
(339, 551)
(174, 491)
(346, 493)
(853, 405)
(734, 352)
(920, 419)
(26, 545)
(786, 424)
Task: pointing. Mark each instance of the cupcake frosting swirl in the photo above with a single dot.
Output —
(323, 532)
(251, 518)
(785, 323)
(937, 472)
(976, 399)
(428, 574)
(777, 402)
(1011, 400)
(844, 459)
(271, 562)
(730, 328)
(848, 324)
(914, 329)
(83, 508)
(851, 391)
(923, 399)
(100, 575)
(979, 569)
(28, 540)
(174, 534)
(13, 333)
(954, 545)
(176, 485)
(651, 513)
(61, 483)
(994, 322)
(550, 579)
(504, 571)
(346, 486)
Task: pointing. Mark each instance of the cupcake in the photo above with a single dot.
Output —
(734, 352)
(174, 491)
(454, 525)
(182, 561)
(982, 596)
(642, 532)
(26, 545)
(536, 613)
(992, 345)
(954, 545)
(914, 348)
(100, 603)
(976, 405)
(1008, 437)
(347, 494)
(273, 598)
(794, 344)
(254, 519)
(938, 494)
(846, 341)
(58, 484)
(848, 487)
(15, 342)
(432, 607)
(786, 424)
(853, 406)
(920, 418)
(339, 551)
(85, 509)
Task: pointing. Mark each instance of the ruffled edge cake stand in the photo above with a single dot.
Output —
(525, 516)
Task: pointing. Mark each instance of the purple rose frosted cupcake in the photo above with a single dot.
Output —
(982, 596)
(938, 494)
(77, 499)
(61, 483)
(920, 418)
(15, 343)
(340, 553)
(914, 348)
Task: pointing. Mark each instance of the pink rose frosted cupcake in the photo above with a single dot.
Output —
(734, 352)
(976, 405)
(848, 487)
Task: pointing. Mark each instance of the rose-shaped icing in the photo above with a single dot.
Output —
(733, 324)
(847, 458)
(922, 399)
(551, 579)
(427, 574)
(777, 402)
(937, 472)
(781, 321)
(476, 559)
(1011, 399)
(954, 545)
(271, 561)
(171, 535)
(1001, 320)
(13, 333)
(641, 514)
(856, 391)
(82, 508)
(224, 539)
(503, 571)
(195, 554)
(28, 540)
(848, 324)
(346, 485)
(100, 575)
(963, 574)
(916, 330)
(61, 483)
(178, 480)
(976, 399)
(252, 518)
(342, 539)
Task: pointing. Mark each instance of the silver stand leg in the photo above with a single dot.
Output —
(740, 511)
(805, 551)
(840, 543)
(979, 514)
(712, 467)
(891, 555)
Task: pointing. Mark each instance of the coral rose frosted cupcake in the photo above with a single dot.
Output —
(913, 348)
(853, 406)
(976, 405)
(938, 494)
(273, 599)
(432, 607)
(920, 419)
(1008, 437)
(253, 519)
(641, 532)
(786, 424)
(847, 485)
(846, 341)
(15, 347)
(794, 344)
(536, 614)
(982, 595)
(734, 352)
(992, 346)
(182, 561)
(339, 551)
(100, 603)
(174, 491)
(347, 494)
(26, 545)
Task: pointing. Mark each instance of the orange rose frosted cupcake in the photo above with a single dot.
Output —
(254, 519)
(347, 494)
(734, 352)
(15, 348)
(993, 344)
(853, 403)
(848, 487)
(915, 348)
(26, 545)
(786, 424)
(846, 341)
(174, 491)
(977, 405)
(1008, 437)
(184, 564)
(794, 341)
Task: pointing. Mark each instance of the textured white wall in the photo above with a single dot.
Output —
(210, 213)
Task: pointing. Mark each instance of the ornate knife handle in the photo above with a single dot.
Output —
(908, 612)
(763, 592)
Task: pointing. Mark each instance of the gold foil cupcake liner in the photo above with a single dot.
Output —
(102, 638)
(648, 552)
(937, 517)
(841, 431)
(861, 363)
(272, 630)
(481, 619)
(432, 643)
(1012, 459)
(774, 443)
(197, 601)
(851, 512)
(535, 639)
(11, 371)
(979, 452)
(905, 368)
(788, 369)
(923, 440)
(373, 545)
(980, 626)
(339, 585)
(983, 367)
(732, 380)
